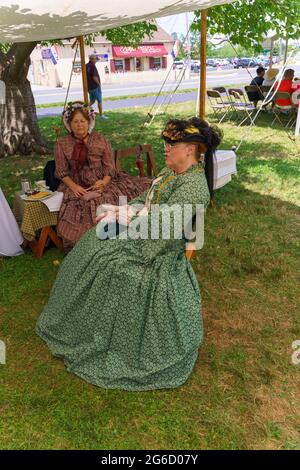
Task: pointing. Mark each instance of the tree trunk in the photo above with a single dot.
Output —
(271, 54)
(19, 131)
(286, 48)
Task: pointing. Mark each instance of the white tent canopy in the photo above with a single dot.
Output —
(31, 20)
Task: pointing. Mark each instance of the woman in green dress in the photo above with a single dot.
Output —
(125, 312)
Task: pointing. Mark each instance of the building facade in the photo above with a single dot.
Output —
(53, 66)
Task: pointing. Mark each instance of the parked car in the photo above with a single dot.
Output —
(246, 62)
(210, 62)
(224, 62)
(178, 64)
(268, 62)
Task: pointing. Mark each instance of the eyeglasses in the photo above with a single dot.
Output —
(168, 146)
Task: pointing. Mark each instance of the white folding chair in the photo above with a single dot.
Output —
(241, 104)
(288, 110)
(219, 106)
(250, 89)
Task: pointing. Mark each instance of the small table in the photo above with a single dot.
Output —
(33, 216)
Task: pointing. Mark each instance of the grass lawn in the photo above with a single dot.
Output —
(244, 391)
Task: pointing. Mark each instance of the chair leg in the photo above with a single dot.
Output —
(223, 117)
(249, 116)
(56, 239)
(39, 250)
(46, 232)
(272, 123)
(290, 122)
(216, 115)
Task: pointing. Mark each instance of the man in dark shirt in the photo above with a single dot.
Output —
(257, 81)
(94, 84)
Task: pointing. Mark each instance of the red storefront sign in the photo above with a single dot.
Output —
(154, 50)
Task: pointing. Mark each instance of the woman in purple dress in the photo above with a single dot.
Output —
(85, 165)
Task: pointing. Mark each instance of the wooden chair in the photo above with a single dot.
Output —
(138, 151)
(38, 247)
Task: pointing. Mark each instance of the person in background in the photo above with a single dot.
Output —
(269, 80)
(270, 77)
(286, 85)
(94, 84)
(84, 163)
(255, 96)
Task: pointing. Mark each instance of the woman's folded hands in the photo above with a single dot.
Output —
(109, 213)
(98, 186)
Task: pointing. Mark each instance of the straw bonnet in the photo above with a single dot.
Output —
(271, 74)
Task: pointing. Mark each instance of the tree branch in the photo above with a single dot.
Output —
(218, 43)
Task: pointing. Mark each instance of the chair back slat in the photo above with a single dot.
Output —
(251, 88)
(265, 89)
(138, 151)
(213, 94)
(236, 90)
(220, 89)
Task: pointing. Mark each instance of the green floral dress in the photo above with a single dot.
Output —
(126, 314)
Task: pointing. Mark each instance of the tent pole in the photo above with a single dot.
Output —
(203, 64)
(83, 70)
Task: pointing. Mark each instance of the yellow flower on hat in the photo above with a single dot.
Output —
(191, 130)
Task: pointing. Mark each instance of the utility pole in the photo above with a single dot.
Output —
(188, 41)
(203, 33)
(83, 70)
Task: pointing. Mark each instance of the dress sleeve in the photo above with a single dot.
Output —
(108, 164)
(62, 167)
(188, 198)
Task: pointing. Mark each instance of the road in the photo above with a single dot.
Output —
(45, 95)
(127, 103)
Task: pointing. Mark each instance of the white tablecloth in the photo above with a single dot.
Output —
(10, 234)
(224, 167)
(53, 203)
